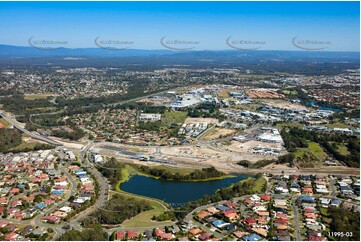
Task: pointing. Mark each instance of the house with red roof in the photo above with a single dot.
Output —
(15, 191)
(281, 221)
(3, 224)
(265, 198)
(11, 236)
(50, 219)
(195, 231)
(20, 215)
(131, 234)
(248, 201)
(250, 222)
(307, 190)
(120, 235)
(166, 236)
(4, 201)
(204, 236)
(16, 203)
(203, 214)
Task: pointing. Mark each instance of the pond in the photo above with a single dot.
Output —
(176, 192)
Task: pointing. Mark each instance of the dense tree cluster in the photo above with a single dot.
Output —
(294, 138)
(345, 221)
(9, 138)
(37, 146)
(120, 208)
(297, 138)
(203, 174)
(112, 170)
(19, 105)
(284, 159)
(74, 135)
(143, 106)
(92, 234)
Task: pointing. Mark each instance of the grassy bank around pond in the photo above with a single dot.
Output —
(130, 170)
(143, 219)
(171, 174)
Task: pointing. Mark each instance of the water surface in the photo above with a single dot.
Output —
(176, 191)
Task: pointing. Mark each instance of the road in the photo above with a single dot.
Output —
(296, 219)
(33, 135)
(333, 188)
(57, 227)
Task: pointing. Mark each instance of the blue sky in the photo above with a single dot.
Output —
(209, 23)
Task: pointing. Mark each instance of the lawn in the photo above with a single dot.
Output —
(317, 150)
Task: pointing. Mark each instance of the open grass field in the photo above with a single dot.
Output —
(145, 219)
(171, 117)
(38, 96)
(317, 150)
(223, 93)
(313, 150)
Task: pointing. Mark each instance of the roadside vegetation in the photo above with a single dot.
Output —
(96, 233)
(284, 159)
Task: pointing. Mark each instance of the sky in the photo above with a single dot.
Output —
(208, 24)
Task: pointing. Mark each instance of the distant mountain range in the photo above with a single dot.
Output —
(23, 52)
(258, 61)
(9, 51)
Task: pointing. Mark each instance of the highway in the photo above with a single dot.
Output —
(33, 135)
